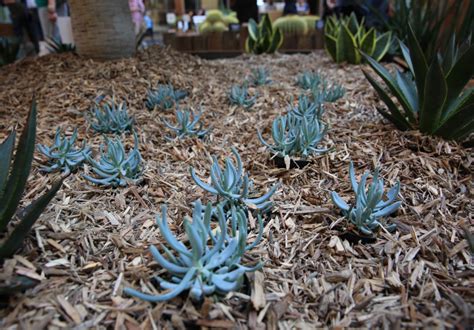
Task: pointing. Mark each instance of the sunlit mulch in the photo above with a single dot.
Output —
(93, 241)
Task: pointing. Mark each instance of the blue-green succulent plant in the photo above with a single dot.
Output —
(309, 80)
(210, 264)
(239, 95)
(115, 167)
(306, 108)
(187, 125)
(232, 186)
(63, 155)
(164, 97)
(370, 205)
(295, 136)
(110, 117)
(328, 93)
(260, 76)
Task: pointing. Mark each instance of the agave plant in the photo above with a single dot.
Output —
(263, 37)
(436, 101)
(260, 76)
(63, 154)
(164, 97)
(370, 205)
(346, 37)
(309, 80)
(295, 136)
(212, 262)
(187, 125)
(58, 47)
(307, 108)
(232, 186)
(239, 95)
(115, 167)
(111, 117)
(13, 177)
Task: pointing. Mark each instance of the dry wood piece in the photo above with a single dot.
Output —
(93, 241)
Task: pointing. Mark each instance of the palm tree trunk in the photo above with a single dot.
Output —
(102, 29)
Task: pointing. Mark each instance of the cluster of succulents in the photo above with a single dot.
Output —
(239, 95)
(328, 93)
(296, 137)
(309, 80)
(63, 155)
(163, 97)
(111, 117)
(291, 24)
(306, 108)
(232, 186)
(115, 166)
(212, 264)
(260, 76)
(187, 125)
(370, 206)
(217, 21)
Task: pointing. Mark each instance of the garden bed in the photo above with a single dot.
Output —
(92, 241)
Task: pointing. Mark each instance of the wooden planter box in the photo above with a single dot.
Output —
(228, 44)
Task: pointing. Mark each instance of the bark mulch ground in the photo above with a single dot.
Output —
(93, 241)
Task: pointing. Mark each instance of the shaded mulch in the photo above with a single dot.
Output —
(92, 241)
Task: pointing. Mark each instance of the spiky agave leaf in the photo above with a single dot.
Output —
(211, 264)
(63, 155)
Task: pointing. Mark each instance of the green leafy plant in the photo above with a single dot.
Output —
(370, 205)
(232, 186)
(115, 167)
(434, 100)
(295, 136)
(345, 38)
(291, 24)
(13, 177)
(306, 108)
(187, 125)
(164, 97)
(58, 47)
(63, 154)
(309, 80)
(110, 117)
(260, 76)
(239, 95)
(9, 48)
(211, 264)
(263, 37)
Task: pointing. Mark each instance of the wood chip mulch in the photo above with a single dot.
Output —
(93, 241)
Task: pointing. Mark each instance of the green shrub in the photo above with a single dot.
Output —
(432, 97)
(345, 38)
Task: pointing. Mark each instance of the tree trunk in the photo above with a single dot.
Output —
(102, 29)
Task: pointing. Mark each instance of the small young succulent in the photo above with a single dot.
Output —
(63, 154)
(239, 95)
(309, 80)
(187, 124)
(110, 117)
(327, 93)
(164, 97)
(58, 47)
(115, 167)
(307, 108)
(260, 76)
(211, 264)
(369, 204)
(296, 136)
(232, 186)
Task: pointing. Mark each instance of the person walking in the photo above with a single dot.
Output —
(23, 21)
(48, 12)
(137, 8)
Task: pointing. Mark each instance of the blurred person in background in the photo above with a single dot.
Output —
(137, 8)
(302, 7)
(48, 12)
(245, 9)
(290, 8)
(23, 20)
